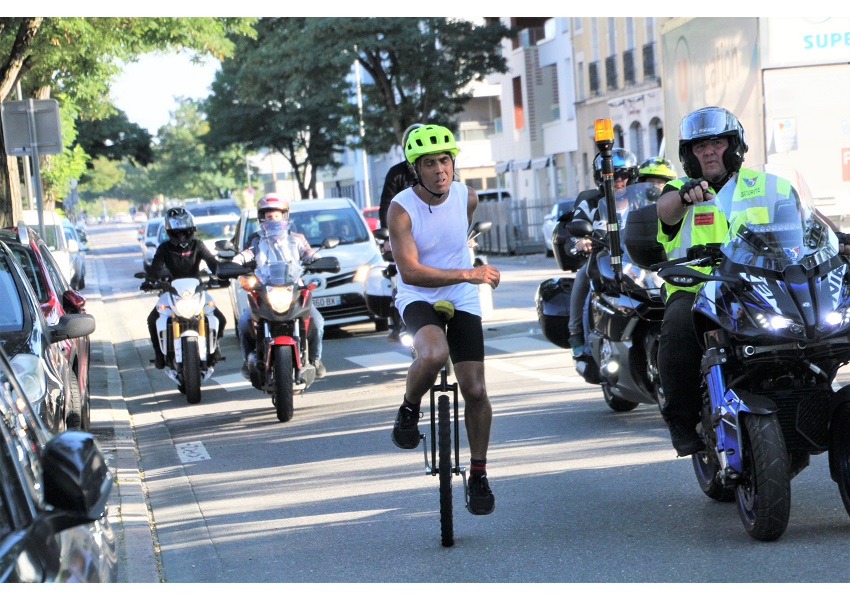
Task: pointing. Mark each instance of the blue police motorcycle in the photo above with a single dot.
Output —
(774, 317)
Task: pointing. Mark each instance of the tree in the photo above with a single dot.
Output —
(184, 167)
(279, 92)
(114, 137)
(81, 56)
(420, 68)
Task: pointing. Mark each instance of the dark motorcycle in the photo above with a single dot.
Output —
(280, 311)
(773, 314)
(622, 320)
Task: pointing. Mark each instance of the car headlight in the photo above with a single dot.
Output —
(188, 306)
(30, 373)
(280, 297)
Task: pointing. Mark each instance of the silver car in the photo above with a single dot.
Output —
(338, 296)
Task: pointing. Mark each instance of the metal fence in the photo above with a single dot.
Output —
(517, 226)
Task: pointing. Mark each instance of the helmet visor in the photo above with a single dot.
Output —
(181, 235)
(706, 123)
(182, 221)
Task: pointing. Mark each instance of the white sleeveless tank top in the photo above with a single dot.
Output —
(440, 237)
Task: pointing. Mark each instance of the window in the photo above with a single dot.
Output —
(519, 114)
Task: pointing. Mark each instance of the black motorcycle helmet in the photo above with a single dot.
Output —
(710, 123)
(180, 227)
(625, 166)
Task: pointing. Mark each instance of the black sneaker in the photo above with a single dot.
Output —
(481, 500)
(406, 429)
(685, 438)
(159, 360)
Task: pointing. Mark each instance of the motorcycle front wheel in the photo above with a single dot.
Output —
(616, 403)
(191, 371)
(282, 394)
(764, 492)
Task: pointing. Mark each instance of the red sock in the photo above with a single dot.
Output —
(477, 468)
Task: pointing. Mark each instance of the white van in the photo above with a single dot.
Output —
(54, 237)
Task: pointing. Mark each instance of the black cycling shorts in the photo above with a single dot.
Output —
(464, 332)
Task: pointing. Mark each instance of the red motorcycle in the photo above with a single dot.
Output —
(280, 311)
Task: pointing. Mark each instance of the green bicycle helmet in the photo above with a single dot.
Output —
(656, 167)
(429, 139)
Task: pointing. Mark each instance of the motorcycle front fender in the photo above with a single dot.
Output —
(282, 340)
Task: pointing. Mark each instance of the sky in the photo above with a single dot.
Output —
(146, 90)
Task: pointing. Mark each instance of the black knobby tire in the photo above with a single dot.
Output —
(73, 404)
(444, 436)
(764, 492)
(282, 394)
(706, 468)
(616, 403)
(839, 452)
(191, 371)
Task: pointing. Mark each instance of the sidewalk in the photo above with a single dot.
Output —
(113, 427)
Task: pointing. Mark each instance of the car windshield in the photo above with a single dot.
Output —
(316, 225)
(12, 315)
(152, 227)
(213, 208)
(217, 230)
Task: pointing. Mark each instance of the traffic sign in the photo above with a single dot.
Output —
(23, 134)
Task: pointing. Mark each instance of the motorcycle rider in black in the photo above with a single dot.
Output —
(587, 208)
(181, 255)
(400, 177)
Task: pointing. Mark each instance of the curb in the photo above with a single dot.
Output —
(113, 427)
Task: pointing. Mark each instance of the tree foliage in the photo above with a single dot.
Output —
(185, 167)
(114, 137)
(81, 57)
(279, 92)
(420, 68)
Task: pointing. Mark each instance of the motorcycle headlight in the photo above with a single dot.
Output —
(777, 323)
(31, 376)
(835, 320)
(188, 306)
(280, 298)
(361, 273)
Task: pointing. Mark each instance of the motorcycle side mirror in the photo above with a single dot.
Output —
(482, 226)
(139, 275)
(382, 233)
(579, 228)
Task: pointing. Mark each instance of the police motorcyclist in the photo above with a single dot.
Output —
(657, 171)
(711, 149)
(273, 219)
(181, 255)
(399, 177)
(587, 207)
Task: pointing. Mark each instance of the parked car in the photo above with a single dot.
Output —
(56, 298)
(34, 346)
(53, 517)
(148, 237)
(338, 296)
(122, 217)
(54, 237)
(78, 258)
(372, 219)
(550, 221)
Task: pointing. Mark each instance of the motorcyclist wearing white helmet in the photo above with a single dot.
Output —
(273, 218)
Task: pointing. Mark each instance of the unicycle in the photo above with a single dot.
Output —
(445, 459)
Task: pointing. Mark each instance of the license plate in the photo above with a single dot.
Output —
(326, 301)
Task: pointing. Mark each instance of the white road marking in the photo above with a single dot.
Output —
(191, 452)
(382, 361)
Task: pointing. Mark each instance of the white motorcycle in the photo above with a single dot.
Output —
(187, 329)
